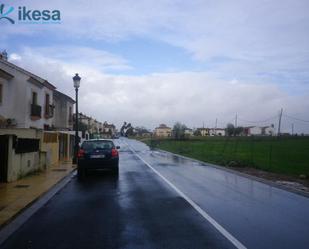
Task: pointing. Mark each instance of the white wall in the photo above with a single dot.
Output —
(22, 164)
(17, 97)
(61, 113)
(41, 92)
(269, 131)
(255, 131)
(14, 98)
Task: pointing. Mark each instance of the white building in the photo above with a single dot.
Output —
(268, 130)
(202, 131)
(25, 99)
(188, 132)
(216, 132)
(63, 112)
(260, 131)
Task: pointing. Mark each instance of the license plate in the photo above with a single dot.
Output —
(97, 156)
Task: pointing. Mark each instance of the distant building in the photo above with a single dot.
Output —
(216, 132)
(109, 130)
(162, 131)
(259, 131)
(202, 131)
(268, 130)
(188, 132)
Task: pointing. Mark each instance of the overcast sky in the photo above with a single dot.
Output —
(152, 62)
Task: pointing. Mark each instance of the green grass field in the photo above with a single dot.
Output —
(286, 155)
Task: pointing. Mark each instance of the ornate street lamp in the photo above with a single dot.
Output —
(76, 80)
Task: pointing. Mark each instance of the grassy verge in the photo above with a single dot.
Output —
(285, 155)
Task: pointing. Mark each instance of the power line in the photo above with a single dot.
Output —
(298, 119)
(261, 121)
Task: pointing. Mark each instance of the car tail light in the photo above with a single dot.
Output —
(114, 152)
(81, 153)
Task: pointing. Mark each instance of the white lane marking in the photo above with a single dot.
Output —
(222, 230)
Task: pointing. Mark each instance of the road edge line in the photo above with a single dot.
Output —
(206, 216)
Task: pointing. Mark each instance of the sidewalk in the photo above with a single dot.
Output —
(16, 196)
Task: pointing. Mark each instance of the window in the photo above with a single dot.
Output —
(70, 114)
(1, 93)
(47, 104)
(97, 145)
(34, 98)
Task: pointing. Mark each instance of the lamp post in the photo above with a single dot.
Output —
(76, 80)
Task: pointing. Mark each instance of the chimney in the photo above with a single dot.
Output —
(4, 55)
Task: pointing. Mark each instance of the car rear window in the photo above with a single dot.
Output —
(97, 145)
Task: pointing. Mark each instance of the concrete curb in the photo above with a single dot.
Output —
(262, 180)
(26, 212)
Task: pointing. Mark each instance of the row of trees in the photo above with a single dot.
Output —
(231, 130)
(178, 131)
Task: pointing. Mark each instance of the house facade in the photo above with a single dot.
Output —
(162, 131)
(63, 111)
(109, 130)
(32, 136)
(259, 130)
(216, 132)
(188, 132)
(26, 100)
(203, 131)
(268, 130)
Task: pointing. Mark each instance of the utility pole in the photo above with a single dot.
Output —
(279, 125)
(216, 126)
(235, 125)
(292, 129)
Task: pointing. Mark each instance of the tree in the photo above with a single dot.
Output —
(141, 130)
(179, 130)
(197, 133)
(122, 130)
(238, 130)
(230, 129)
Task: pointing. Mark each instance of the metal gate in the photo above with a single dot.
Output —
(4, 143)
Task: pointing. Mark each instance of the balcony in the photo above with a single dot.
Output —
(36, 111)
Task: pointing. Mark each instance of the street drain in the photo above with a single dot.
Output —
(21, 186)
(59, 170)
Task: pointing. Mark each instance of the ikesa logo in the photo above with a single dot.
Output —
(4, 13)
(26, 15)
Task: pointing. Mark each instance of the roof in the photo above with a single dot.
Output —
(5, 75)
(163, 126)
(109, 125)
(57, 93)
(32, 76)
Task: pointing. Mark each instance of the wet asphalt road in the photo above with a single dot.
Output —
(139, 209)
